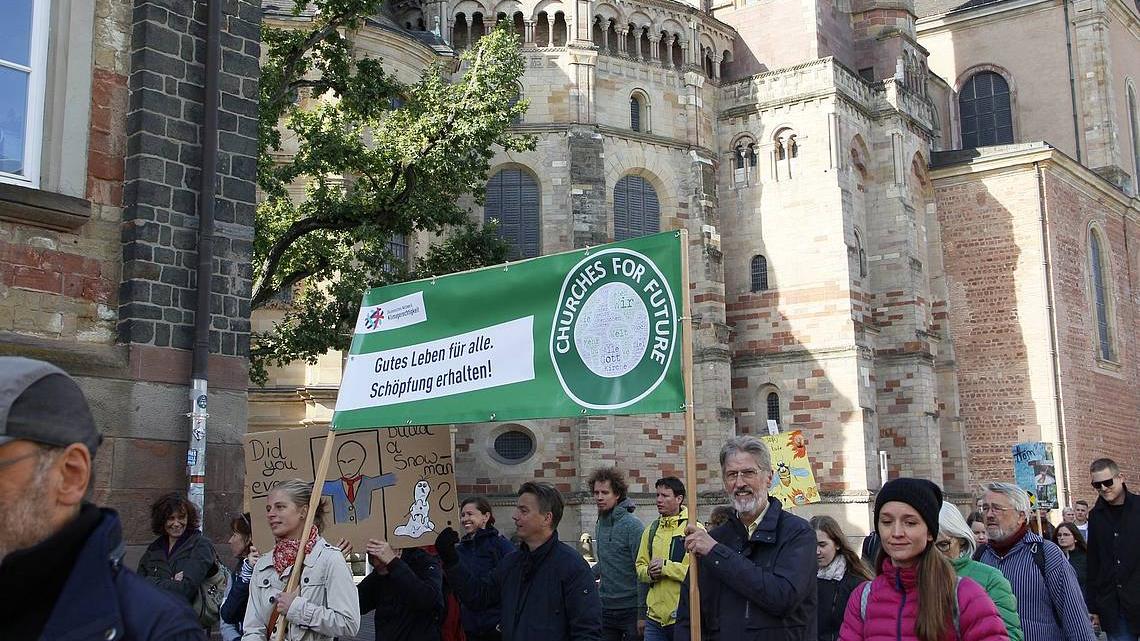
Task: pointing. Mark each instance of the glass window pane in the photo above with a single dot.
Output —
(16, 32)
(13, 119)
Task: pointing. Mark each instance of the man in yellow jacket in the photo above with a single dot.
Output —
(661, 559)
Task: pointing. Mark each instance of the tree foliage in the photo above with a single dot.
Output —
(376, 159)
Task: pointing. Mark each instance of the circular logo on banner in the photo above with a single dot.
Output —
(614, 330)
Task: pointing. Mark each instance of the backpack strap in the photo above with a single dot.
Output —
(864, 596)
(1037, 549)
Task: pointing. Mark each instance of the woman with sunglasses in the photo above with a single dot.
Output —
(957, 542)
(237, 594)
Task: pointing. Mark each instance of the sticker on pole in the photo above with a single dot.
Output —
(617, 318)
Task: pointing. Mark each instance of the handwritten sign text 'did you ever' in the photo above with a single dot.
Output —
(395, 483)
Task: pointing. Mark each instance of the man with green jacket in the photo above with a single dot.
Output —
(616, 540)
(661, 559)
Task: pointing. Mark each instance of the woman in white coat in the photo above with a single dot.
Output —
(326, 606)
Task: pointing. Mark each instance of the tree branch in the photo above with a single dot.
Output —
(269, 266)
(289, 65)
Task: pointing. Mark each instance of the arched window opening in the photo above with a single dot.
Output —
(559, 29)
(759, 273)
(636, 209)
(645, 51)
(631, 41)
(1100, 286)
(725, 63)
(678, 54)
(773, 407)
(984, 111)
(518, 25)
(611, 37)
(460, 32)
(738, 157)
(512, 200)
(598, 33)
(635, 113)
(478, 29)
(861, 255)
(542, 30)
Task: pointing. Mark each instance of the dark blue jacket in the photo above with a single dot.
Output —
(233, 608)
(481, 552)
(757, 588)
(545, 595)
(408, 600)
(104, 600)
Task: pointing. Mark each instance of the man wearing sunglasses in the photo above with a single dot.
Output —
(1114, 557)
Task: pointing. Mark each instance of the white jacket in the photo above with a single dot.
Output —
(327, 607)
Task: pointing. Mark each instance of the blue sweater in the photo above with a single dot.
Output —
(616, 542)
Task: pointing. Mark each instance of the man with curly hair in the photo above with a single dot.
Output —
(617, 539)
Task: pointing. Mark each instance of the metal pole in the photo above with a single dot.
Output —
(196, 451)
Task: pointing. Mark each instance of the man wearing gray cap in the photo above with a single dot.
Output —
(61, 571)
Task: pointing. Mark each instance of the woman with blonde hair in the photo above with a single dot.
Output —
(840, 570)
(911, 572)
(326, 605)
(956, 541)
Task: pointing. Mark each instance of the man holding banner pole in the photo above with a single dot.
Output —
(757, 576)
(545, 589)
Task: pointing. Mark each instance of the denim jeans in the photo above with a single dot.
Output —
(654, 631)
(1123, 632)
(619, 625)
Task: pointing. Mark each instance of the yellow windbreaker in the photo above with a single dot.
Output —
(661, 601)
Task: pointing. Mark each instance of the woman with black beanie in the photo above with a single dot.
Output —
(916, 595)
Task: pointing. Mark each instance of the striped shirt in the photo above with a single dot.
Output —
(1043, 604)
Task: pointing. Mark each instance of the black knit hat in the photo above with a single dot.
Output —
(925, 497)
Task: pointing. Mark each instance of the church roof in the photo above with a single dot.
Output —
(928, 8)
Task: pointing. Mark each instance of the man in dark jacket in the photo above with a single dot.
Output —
(757, 571)
(61, 559)
(1113, 558)
(406, 590)
(545, 589)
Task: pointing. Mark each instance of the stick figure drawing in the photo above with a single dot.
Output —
(351, 494)
(419, 521)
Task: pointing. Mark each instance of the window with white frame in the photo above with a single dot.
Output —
(23, 54)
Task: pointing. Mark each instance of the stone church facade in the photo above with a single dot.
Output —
(866, 231)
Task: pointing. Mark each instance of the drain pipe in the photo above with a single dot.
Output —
(1072, 80)
(1051, 314)
(196, 452)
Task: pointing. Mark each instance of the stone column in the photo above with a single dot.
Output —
(654, 46)
(623, 36)
(528, 33)
(716, 67)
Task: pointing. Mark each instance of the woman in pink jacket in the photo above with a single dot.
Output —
(916, 595)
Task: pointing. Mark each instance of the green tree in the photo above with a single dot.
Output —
(377, 159)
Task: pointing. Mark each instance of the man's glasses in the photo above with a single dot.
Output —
(996, 509)
(1105, 483)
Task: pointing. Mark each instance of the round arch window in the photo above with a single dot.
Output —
(514, 446)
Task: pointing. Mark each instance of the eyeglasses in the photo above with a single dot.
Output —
(1105, 483)
(943, 546)
(747, 475)
(17, 459)
(996, 509)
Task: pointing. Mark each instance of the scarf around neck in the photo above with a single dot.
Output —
(833, 571)
(1005, 545)
(285, 552)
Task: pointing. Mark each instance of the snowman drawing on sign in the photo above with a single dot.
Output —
(419, 521)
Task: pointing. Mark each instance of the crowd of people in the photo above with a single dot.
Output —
(925, 573)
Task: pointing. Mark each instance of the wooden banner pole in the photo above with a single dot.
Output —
(690, 435)
(314, 503)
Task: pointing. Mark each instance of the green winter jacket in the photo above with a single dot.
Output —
(997, 586)
(616, 541)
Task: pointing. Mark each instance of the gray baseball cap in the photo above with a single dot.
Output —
(39, 402)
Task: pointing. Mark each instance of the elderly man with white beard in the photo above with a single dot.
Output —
(757, 575)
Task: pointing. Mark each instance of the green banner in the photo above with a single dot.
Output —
(591, 331)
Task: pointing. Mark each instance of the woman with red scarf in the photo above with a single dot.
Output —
(326, 605)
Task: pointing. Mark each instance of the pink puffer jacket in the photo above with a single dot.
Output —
(893, 607)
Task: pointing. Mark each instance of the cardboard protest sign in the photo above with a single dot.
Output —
(793, 481)
(394, 483)
(1035, 472)
(592, 331)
